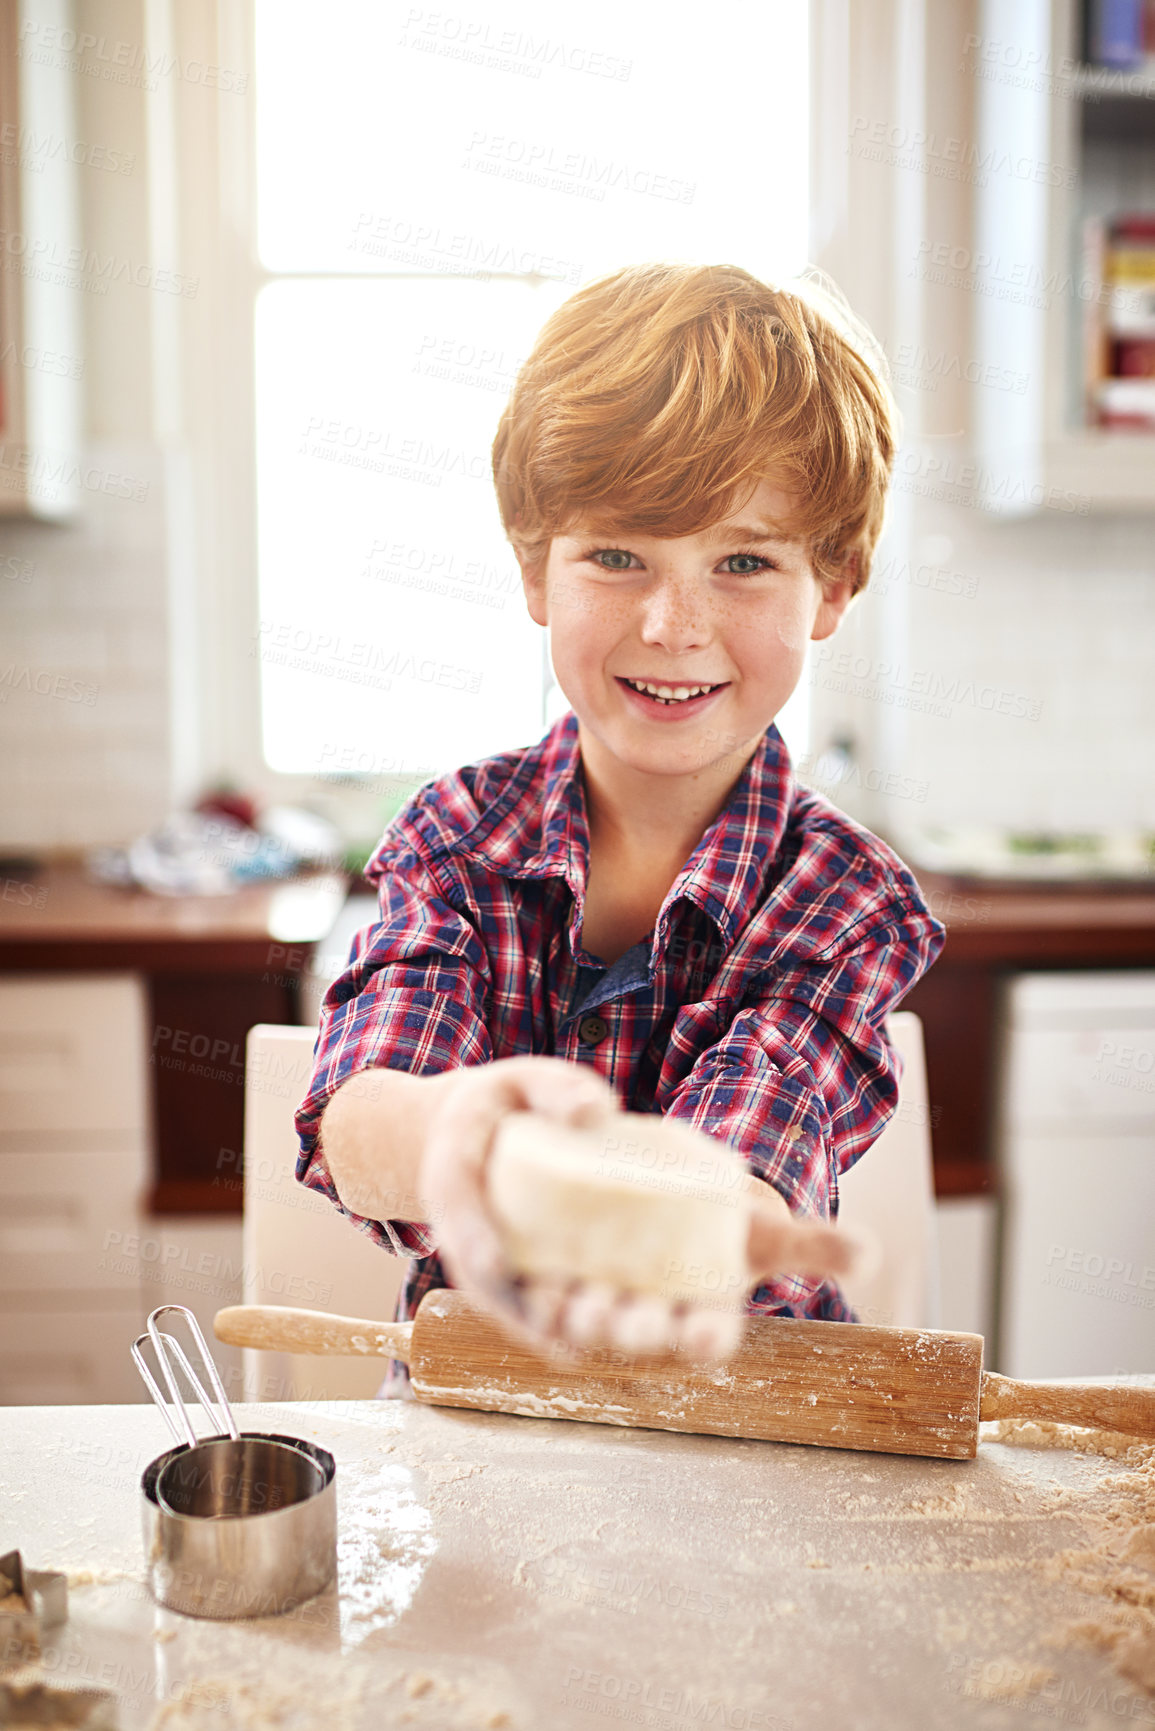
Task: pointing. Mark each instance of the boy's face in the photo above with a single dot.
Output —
(732, 607)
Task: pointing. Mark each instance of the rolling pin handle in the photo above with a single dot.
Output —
(1099, 1406)
(280, 1328)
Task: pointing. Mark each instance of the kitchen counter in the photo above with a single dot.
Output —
(992, 932)
(1044, 925)
(538, 1575)
(59, 919)
(212, 968)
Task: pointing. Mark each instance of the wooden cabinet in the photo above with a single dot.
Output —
(206, 970)
(123, 1021)
(994, 933)
(74, 1167)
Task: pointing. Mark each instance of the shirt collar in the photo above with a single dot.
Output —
(538, 828)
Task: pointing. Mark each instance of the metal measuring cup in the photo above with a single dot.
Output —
(239, 1524)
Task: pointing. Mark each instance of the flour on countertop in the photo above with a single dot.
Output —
(1008, 1680)
(1118, 1566)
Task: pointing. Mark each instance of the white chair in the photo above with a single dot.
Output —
(299, 1250)
(889, 1194)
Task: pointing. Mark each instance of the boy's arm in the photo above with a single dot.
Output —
(373, 1133)
(408, 1013)
(404, 1036)
(805, 1079)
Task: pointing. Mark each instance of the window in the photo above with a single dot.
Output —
(430, 186)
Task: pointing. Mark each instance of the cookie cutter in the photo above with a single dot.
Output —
(239, 1523)
(45, 1595)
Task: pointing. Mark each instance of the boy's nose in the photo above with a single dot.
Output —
(674, 617)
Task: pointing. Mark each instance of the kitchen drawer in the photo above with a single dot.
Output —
(73, 1052)
(1056, 1076)
(71, 1357)
(1081, 997)
(68, 1221)
(1078, 1276)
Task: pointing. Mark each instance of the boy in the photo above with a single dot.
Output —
(644, 909)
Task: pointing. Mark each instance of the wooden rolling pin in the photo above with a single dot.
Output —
(837, 1384)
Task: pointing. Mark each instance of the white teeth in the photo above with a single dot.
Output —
(669, 693)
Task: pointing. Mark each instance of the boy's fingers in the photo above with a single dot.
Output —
(459, 1141)
(643, 1323)
(807, 1248)
(711, 1334)
(472, 1253)
(569, 1091)
(463, 1131)
(587, 1317)
(544, 1302)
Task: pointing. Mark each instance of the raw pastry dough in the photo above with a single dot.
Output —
(641, 1202)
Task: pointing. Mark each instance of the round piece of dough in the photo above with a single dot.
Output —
(640, 1202)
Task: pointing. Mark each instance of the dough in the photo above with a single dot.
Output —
(641, 1202)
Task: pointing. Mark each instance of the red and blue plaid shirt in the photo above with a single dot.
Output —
(753, 1010)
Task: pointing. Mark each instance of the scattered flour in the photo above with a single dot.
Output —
(1118, 1565)
(1047, 1434)
(1008, 1680)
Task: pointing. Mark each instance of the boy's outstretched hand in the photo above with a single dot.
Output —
(458, 1143)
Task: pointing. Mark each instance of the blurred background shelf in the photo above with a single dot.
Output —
(1082, 150)
(1112, 471)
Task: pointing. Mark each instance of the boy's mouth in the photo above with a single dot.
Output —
(662, 696)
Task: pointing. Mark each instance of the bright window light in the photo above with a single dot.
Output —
(431, 186)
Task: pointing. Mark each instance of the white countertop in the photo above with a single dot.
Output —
(565, 1574)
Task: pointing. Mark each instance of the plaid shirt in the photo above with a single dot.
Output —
(753, 1010)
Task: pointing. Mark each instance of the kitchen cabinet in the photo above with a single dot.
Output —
(1077, 1160)
(1082, 144)
(123, 1021)
(994, 933)
(209, 969)
(73, 1173)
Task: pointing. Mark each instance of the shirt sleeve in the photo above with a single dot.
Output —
(412, 997)
(805, 1078)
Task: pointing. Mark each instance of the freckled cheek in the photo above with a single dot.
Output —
(567, 600)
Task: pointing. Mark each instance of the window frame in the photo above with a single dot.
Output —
(216, 704)
(216, 710)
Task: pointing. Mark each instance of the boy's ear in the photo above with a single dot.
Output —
(837, 594)
(533, 582)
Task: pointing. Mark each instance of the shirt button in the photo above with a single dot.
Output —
(592, 1029)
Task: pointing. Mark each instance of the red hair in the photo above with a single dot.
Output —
(656, 399)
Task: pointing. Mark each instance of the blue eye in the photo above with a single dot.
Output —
(752, 562)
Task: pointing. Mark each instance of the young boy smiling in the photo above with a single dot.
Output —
(644, 909)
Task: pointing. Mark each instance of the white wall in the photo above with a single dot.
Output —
(1063, 618)
(89, 600)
